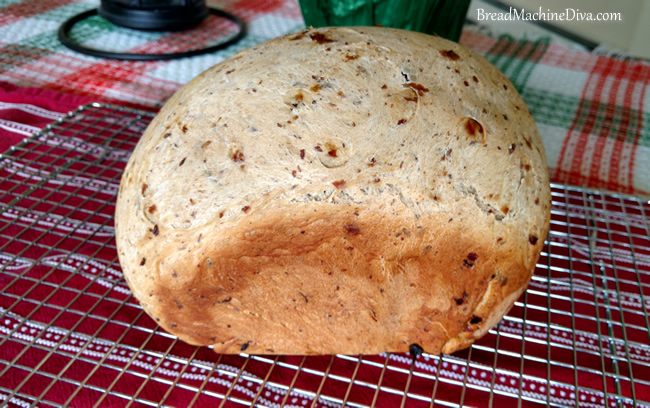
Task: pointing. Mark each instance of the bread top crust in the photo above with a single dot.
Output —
(338, 190)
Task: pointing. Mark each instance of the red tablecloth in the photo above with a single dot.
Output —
(25, 111)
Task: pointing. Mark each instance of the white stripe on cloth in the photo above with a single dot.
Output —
(20, 128)
(32, 109)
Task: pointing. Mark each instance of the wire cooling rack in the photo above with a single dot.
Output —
(73, 335)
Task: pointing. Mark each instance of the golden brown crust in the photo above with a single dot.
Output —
(341, 190)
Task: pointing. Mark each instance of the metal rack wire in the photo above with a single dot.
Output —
(71, 334)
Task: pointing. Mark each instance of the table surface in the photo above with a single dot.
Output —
(72, 335)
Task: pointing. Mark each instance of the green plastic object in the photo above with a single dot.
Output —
(438, 17)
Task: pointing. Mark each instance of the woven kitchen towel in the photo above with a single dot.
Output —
(592, 111)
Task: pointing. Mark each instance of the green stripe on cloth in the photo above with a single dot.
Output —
(92, 28)
(616, 121)
(560, 111)
(644, 133)
(551, 108)
(46, 41)
(5, 3)
(13, 56)
(517, 58)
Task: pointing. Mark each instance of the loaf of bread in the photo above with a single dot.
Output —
(336, 190)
